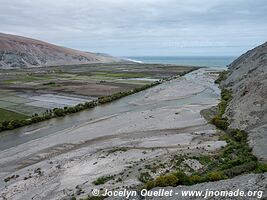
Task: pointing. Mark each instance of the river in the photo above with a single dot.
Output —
(73, 150)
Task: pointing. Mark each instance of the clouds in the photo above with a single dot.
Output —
(141, 27)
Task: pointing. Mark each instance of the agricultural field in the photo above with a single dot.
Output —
(24, 92)
(6, 115)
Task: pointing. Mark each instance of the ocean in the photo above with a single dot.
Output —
(222, 61)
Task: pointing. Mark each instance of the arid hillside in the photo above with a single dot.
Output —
(247, 110)
(21, 52)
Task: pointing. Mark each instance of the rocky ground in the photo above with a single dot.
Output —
(253, 185)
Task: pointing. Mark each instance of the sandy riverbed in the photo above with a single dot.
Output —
(68, 161)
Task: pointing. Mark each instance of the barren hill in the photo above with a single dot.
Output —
(17, 51)
(248, 109)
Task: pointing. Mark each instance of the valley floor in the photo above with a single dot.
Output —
(144, 135)
(24, 92)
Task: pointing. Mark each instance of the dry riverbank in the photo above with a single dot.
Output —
(165, 122)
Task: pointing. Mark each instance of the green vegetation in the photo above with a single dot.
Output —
(6, 115)
(51, 84)
(145, 177)
(261, 167)
(215, 176)
(35, 77)
(28, 78)
(218, 120)
(182, 178)
(57, 112)
(234, 159)
(72, 76)
(110, 98)
(121, 75)
(163, 181)
(238, 135)
(226, 97)
(222, 76)
(102, 180)
(12, 123)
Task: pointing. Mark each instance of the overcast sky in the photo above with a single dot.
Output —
(141, 27)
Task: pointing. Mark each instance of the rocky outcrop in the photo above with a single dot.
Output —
(247, 110)
(19, 52)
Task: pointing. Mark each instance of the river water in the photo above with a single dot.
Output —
(160, 119)
(9, 139)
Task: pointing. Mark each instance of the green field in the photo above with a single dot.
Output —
(6, 115)
(19, 86)
(27, 109)
(14, 99)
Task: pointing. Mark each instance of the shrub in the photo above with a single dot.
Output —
(150, 185)
(222, 107)
(36, 119)
(102, 180)
(226, 95)
(49, 83)
(196, 179)
(220, 122)
(13, 124)
(59, 112)
(222, 76)
(145, 177)
(261, 168)
(240, 169)
(215, 176)
(90, 104)
(183, 179)
(166, 180)
(238, 135)
(203, 159)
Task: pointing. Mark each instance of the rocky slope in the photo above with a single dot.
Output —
(247, 79)
(17, 51)
(250, 182)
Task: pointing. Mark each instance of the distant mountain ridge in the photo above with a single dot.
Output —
(22, 52)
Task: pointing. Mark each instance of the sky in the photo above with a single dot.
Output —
(141, 27)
